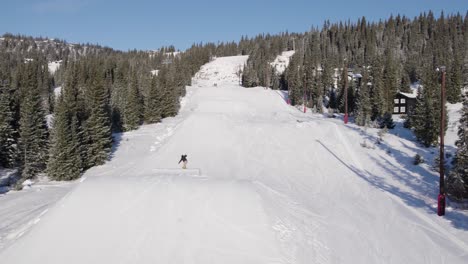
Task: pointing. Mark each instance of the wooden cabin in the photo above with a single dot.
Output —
(404, 103)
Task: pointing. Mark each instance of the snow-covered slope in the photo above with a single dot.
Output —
(276, 186)
(282, 61)
(221, 71)
(452, 129)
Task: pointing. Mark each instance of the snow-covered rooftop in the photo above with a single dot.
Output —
(409, 95)
(414, 90)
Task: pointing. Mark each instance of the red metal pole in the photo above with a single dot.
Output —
(441, 197)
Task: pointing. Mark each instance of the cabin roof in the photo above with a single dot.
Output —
(409, 95)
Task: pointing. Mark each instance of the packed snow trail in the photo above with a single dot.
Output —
(268, 185)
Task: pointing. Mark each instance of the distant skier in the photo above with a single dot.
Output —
(184, 160)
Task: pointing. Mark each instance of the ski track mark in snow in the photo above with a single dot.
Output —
(296, 230)
(25, 228)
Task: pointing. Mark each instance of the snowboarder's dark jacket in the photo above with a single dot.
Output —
(183, 158)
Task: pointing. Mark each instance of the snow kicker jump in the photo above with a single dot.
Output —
(177, 172)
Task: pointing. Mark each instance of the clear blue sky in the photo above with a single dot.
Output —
(144, 24)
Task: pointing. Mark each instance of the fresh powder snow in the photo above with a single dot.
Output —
(266, 184)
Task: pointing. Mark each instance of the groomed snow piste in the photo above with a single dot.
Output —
(268, 185)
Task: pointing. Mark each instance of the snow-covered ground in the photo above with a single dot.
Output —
(21, 210)
(282, 61)
(272, 185)
(452, 129)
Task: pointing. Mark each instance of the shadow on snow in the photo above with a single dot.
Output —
(425, 187)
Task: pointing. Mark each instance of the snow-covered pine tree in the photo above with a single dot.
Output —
(426, 117)
(7, 139)
(98, 128)
(327, 82)
(376, 93)
(275, 79)
(169, 98)
(387, 121)
(249, 76)
(454, 79)
(423, 119)
(405, 83)
(341, 94)
(293, 79)
(457, 181)
(65, 162)
(153, 103)
(390, 80)
(32, 127)
(317, 94)
(63, 157)
(133, 106)
(118, 94)
(351, 96)
(364, 107)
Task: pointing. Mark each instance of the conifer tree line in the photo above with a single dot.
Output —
(102, 91)
(105, 90)
(457, 181)
(381, 59)
(387, 56)
(52, 49)
(258, 71)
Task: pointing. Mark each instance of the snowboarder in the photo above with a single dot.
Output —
(184, 160)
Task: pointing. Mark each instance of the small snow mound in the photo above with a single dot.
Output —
(27, 183)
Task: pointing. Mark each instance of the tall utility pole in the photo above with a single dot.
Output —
(346, 91)
(441, 197)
